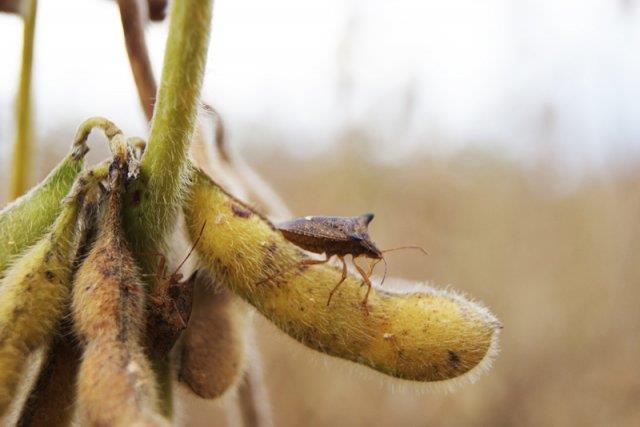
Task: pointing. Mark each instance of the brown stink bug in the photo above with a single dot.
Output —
(171, 301)
(341, 236)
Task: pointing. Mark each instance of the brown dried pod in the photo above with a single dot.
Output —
(51, 403)
(116, 386)
(213, 346)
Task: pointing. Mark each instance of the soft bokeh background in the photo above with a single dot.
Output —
(501, 135)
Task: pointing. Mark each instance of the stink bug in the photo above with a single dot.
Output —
(171, 301)
(341, 236)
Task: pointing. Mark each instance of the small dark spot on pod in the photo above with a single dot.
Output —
(136, 197)
(303, 267)
(268, 261)
(49, 275)
(271, 247)
(240, 211)
(453, 358)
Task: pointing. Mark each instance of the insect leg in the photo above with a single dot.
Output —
(367, 282)
(311, 261)
(308, 261)
(193, 247)
(373, 265)
(162, 270)
(344, 277)
(159, 275)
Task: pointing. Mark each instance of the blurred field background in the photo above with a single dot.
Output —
(557, 267)
(558, 270)
(508, 148)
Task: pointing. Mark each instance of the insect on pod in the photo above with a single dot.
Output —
(340, 236)
(423, 334)
(171, 301)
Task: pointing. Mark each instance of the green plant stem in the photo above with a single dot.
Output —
(22, 146)
(153, 200)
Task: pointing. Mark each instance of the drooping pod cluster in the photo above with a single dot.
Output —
(35, 288)
(51, 401)
(115, 385)
(41, 233)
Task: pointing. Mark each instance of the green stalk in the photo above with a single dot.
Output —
(22, 145)
(153, 200)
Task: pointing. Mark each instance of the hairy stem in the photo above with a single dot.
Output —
(133, 27)
(22, 145)
(153, 200)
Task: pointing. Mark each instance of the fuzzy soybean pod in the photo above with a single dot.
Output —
(24, 221)
(213, 345)
(115, 383)
(426, 335)
(35, 290)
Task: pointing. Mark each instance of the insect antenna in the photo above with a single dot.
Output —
(420, 248)
(373, 265)
(195, 243)
(384, 276)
